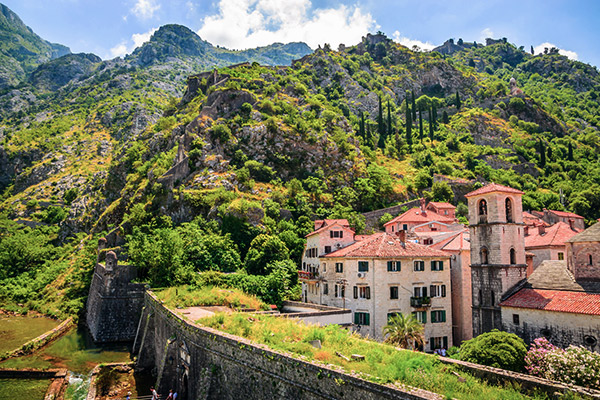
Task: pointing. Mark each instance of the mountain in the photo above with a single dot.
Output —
(21, 50)
(172, 133)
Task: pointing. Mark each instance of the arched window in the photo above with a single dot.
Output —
(509, 211)
(484, 255)
(482, 210)
(513, 256)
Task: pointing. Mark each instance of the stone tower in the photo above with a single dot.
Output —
(497, 251)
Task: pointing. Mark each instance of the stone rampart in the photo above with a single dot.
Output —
(203, 363)
(372, 217)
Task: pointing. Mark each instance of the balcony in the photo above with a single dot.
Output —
(420, 302)
(307, 276)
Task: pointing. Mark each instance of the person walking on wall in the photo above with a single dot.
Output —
(170, 396)
(154, 394)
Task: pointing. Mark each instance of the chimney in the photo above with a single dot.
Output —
(526, 231)
(572, 224)
(541, 229)
(422, 204)
(402, 236)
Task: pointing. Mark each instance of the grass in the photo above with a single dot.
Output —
(190, 296)
(383, 363)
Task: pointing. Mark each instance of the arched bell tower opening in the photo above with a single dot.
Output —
(495, 220)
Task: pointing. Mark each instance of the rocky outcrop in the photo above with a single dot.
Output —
(57, 73)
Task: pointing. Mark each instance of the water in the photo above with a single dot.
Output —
(75, 351)
(18, 330)
(30, 389)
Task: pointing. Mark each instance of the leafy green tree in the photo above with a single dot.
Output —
(263, 250)
(404, 331)
(495, 349)
(440, 191)
(385, 218)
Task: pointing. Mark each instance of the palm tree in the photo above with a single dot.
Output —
(404, 331)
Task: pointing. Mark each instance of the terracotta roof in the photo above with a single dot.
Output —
(415, 215)
(493, 187)
(458, 241)
(554, 235)
(439, 204)
(383, 245)
(328, 223)
(565, 214)
(555, 300)
(531, 219)
(591, 234)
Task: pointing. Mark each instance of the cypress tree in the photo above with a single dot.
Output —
(380, 126)
(445, 118)
(389, 120)
(549, 153)
(434, 115)
(408, 127)
(532, 52)
(421, 125)
(430, 125)
(542, 152)
(458, 104)
(361, 126)
(571, 151)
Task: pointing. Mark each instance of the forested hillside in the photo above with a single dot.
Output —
(224, 170)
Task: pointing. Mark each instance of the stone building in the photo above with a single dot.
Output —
(381, 274)
(420, 219)
(458, 247)
(442, 208)
(548, 242)
(552, 217)
(497, 251)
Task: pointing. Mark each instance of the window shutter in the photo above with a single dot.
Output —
(434, 316)
(398, 265)
(368, 292)
(424, 316)
(433, 265)
(417, 292)
(441, 265)
(443, 316)
(367, 319)
(424, 290)
(445, 342)
(432, 292)
(443, 290)
(330, 234)
(389, 264)
(356, 292)
(356, 318)
(431, 343)
(341, 234)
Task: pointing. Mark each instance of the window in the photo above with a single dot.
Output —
(324, 267)
(391, 315)
(336, 234)
(428, 241)
(508, 209)
(516, 319)
(327, 249)
(361, 318)
(437, 290)
(362, 292)
(445, 212)
(421, 316)
(590, 259)
(393, 266)
(438, 343)
(420, 291)
(404, 227)
(479, 298)
(438, 316)
(363, 266)
(339, 267)
(419, 265)
(394, 292)
(561, 255)
(392, 228)
(493, 298)
(325, 288)
(437, 265)
(513, 256)
(483, 253)
(482, 208)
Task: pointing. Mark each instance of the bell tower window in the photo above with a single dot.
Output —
(509, 209)
(482, 210)
(513, 256)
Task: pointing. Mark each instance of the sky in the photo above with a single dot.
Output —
(111, 28)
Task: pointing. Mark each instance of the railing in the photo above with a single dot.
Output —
(307, 276)
(420, 301)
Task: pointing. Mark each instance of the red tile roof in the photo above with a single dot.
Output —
(531, 219)
(457, 242)
(555, 300)
(439, 204)
(554, 235)
(383, 245)
(416, 216)
(565, 214)
(328, 223)
(493, 187)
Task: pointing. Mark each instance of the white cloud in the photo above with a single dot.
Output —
(243, 24)
(486, 33)
(126, 47)
(411, 43)
(145, 9)
(546, 45)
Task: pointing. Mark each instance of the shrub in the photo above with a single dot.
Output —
(495, 349)
(222, 133)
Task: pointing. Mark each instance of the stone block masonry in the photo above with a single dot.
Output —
(203, 363)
